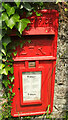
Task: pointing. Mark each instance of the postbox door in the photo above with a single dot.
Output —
(40, 100)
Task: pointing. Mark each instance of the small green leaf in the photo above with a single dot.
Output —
(13, 94)
(4, 25)
(10, 10)
(2, 65)
(11, 78)
(29, 41)
(4, 16)
(6, 40)
(1, 10)
(10, 89)
(21, 45)
(4, 71)
(12, 21)
(8, 95)
(38, 14)
(17, 2)
(16, 17)
(11, 70)
(15, 53)
(27, 6)
(28, 14)
(3, 51)
(6, 82)
(22, 25)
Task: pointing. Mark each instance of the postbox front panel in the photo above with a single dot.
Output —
(34, 67)
(33, 91)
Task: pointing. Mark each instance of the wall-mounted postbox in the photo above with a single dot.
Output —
(34, 66)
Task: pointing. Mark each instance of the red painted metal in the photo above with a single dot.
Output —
(42, 50)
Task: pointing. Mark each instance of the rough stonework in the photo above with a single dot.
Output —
(61, 78)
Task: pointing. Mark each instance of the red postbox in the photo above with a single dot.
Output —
(34, 66)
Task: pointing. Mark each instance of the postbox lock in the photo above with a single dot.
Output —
(18, 88)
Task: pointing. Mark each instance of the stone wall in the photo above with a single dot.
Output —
(61, 78)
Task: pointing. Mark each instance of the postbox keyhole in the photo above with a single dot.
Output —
(18, 88)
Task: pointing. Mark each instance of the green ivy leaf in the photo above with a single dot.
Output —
(28, 14)
(10, 89)
(4, 16)
(13, 94)
(10, 10)
(2, 65)
(6, 40)
(6, 82)
(38, 14)
(4, 25)
(27, 6)
(15, 53)
(21, 44)
(4, 71)
(8, 95)
(22, 25)
(11, 78)
(11, 70)
(12, 21)
(3, 51)
(29, 41)
(17, 2)
(16, 17)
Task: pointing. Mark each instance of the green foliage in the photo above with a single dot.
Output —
(9, 10)
(27, 6)
(17, 2)
(10, 17)
(22, 25)
(5, 41)
(29, 41)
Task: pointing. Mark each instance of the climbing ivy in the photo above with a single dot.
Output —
(11, 19)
